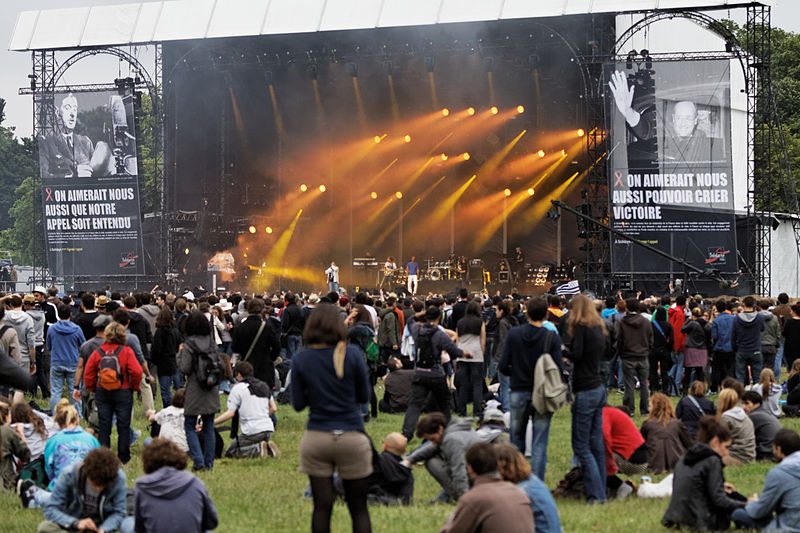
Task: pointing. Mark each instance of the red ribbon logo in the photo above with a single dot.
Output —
(49, 192)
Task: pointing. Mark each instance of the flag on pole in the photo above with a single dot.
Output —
(571, 287)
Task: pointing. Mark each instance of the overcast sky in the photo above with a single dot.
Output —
(15, 66)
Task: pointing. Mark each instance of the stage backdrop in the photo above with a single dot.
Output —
(90, 188)
(670, 170)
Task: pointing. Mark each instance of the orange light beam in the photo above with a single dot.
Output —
(362, 115)
(393, 98)
(377, 176)
(434, 96)
(374, 215)
(437, 145)
(408, 182)
(275, 255)
(276, 112)
(396, 222)
(494, 224)
(444, 208)
(488, 168)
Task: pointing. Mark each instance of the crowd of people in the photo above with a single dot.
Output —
(515, 361)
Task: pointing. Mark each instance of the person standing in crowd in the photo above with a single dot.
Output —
(429, 377)
(587, 333)
(292, 323)
(634, 341)
(113, 374)
(791, 337)
(331, 379)
(784, 312)
(34, 310)
(695, 352)
(746, 340)
(389, 331)
(523, 347)
(471, 333)
(677, 317)
(87, 315)
(26, 335)
(64, 340)
(505, 321)
(661, 352)
(770, 337)
(459, 309)
(167, 497)
(412, 269)
(201, 401)
(163, 353)
(722, 338)
(257, 342)
(333, 277)
(361, 334)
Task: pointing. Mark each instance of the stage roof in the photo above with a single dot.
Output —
(147, 22)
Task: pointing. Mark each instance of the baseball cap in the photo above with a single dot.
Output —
(40, 289)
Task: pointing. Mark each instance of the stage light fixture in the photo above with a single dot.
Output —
(541, 153)
(531, 191)
(303, 187)
(398, 195)
(373, 195)
(581, 132)
(648, 62)
(563, 152)
(445, 112)
(251, 229)
(268, 229)
(494, 110)
(186, 251)
(507, 192)
(321, 188)
(520, 109)
(466, 156)
(377, 139)
(444, 157)
(471, 111)
(407, 138)
(629, 59)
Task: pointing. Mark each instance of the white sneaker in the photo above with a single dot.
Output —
(624, 491)
(263, 449)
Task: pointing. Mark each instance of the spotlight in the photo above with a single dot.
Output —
(520, 109)
(377, 139)
(269, 229)
(407, 138)
(540, 153)
(471, 111)
(494, 110)
(581, 132)
(373, 195)
(251, 229)
(507, 191)
(444, 157)
(531, 191)
(303, 187)
(445, 112)
(465, 155)
(186, 251)
(398, 195)
(321, 188)
(563, 153)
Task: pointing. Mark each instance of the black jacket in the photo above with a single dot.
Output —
(84, 321)
(390, 482)
(699, 500)
(587, 349)
(698, 334)
(662, 343)
(292, 321)
(266, 350)
(141, 329)
(164, 349)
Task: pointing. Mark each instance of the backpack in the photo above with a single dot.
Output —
(109, 371)
(210, 369)
(425, 356)
(549, 390)
(372, 351)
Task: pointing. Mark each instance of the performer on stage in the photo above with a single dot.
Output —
(519, 263)
(413, 275)
(389, 268)
(333, 277)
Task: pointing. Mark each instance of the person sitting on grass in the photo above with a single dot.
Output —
(666, 436)
(391, 481)
(792, 405)
(765, 424)
(514, 468)
(250, 399)
(743, 437)
(492, 505)
(88, 496)
(770, 390)
(12, 447)
(778, 506)
(170, 421)
(169, 499)
(694, 406)
(626, 450)
(35, 426)
(701, 499)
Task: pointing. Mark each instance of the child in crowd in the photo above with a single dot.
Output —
(170, 421)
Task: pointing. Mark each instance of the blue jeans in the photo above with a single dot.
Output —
(164, 383)
(521, 411)
(333, 286)
(503, 391)
(59, 375)
(115, 403)
(751, 359)
(202, 456)
(744, 520)
(292, 346)
(676, 372)
(779, 361)
(615, 372)
(587, 441)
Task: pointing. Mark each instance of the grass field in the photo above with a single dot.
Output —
(266, 495)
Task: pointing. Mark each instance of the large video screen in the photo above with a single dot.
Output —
(670, 166)
(90, 189)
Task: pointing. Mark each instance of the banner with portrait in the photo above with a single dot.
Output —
(670, 165)
(90, 187)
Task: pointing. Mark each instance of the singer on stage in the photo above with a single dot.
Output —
(333, 277)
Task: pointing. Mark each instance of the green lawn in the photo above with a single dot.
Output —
(267, 495)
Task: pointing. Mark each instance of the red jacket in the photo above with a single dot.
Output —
(677, 316)
(620, 435)
(129, 366)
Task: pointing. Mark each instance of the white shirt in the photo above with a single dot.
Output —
(334, 270)
(253, 411)
(171, 421)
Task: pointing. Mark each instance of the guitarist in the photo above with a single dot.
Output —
(389, 268)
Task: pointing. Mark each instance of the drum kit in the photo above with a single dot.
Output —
(436, 270)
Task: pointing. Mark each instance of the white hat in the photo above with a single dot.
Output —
(40, 289)
(224, 304)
